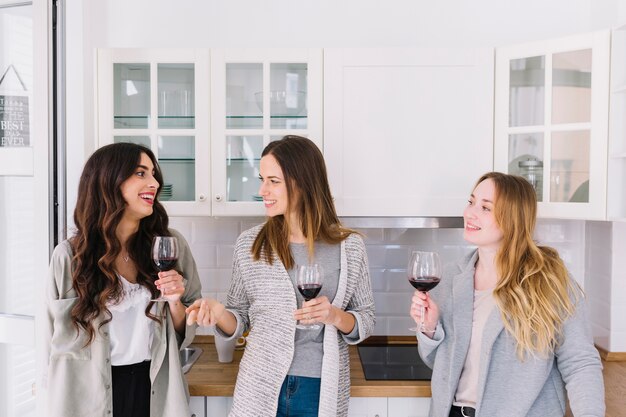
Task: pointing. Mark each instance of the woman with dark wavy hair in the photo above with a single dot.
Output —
(287, 371)
(109, 348)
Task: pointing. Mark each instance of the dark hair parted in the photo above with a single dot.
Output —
(99, 209)
(309, 195)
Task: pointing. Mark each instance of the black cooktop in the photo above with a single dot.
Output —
(393, 362)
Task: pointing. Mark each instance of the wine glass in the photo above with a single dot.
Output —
(309, 281)
(424, 273)
(165, 255)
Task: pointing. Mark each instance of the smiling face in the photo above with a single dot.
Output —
(273, 187)
(139, 190)
(481, 227)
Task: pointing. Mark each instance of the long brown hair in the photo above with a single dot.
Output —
(309, 194)
(534, 292)
(99, 209)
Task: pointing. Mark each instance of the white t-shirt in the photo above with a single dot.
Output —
(466, 392)
(130, 329)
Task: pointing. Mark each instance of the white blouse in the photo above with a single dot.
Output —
(130, 329)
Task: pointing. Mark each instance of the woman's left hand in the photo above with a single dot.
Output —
(317, 310)
(171, 285)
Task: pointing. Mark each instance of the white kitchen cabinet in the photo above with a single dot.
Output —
(368, 407)
(160, 98)
(407, 131)
(408, 407)
(258, 96)
(551, 121)
(616, 198)
(197, 406)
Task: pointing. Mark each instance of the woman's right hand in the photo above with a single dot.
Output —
(205, 312)
(431, 311)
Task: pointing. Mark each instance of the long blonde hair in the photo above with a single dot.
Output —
(534, 292)
(309, 194)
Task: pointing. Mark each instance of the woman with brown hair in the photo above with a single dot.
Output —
(507, 331)
(110, 350)
(287, 371)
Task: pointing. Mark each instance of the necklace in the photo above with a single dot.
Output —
(126, 258)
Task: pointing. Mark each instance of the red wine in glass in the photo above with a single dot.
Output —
(309, 291)
(164, 255)
(424, 273)
(309, 282)
(424, 284)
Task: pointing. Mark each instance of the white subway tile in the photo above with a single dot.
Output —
(225, 255)
(379, 284)
(371, 236)
(376, 256)
(184, 225)
(215, 279)
(213, 230)
(205, 254)
(390, 304)
(396, 256)
(397, 281)
(400, 325)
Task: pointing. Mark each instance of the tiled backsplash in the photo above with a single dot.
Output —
(212, 241)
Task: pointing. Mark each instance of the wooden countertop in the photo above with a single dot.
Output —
(210, 378)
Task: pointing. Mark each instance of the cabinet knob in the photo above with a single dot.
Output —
(202, 197)
(218, 197)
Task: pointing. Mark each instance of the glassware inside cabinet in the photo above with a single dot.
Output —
(176, 96)
(288, 96)
(527, 91)
(526, 159)
(569, 166)
(243, 156)
(177, 160)
(571, 87)
(139, 140)
(243, 110)
(131, 96)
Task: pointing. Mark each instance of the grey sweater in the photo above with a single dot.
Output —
(262, 299)
(507, 386)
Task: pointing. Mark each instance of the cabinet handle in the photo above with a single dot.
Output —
(218, 197)
(202, 197)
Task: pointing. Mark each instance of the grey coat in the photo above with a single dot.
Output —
(506, 386)
(262, 298)
(77, 379)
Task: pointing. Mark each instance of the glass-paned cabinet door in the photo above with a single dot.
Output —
(258, 96)
(551, 117)
(160, 99)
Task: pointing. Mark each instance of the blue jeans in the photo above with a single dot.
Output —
(299, 397)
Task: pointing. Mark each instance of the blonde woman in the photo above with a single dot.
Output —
(287, 371)
(508, 328)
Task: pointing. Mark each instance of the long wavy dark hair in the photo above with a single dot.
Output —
(304, 171)
(99, 210)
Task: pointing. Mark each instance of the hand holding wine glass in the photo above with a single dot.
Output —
(424, 273)
(309, 281)
(165, 255)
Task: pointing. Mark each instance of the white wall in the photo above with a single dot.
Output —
(309, 23)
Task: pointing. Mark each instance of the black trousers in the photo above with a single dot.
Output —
(131, 390)
(456, 411)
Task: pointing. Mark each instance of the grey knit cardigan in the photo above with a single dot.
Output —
(263, 299)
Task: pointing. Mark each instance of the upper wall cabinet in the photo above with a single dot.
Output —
(616, 199)
(160, 99)
(208, 119)
(551, 114)
(258, 96)
(407, 131)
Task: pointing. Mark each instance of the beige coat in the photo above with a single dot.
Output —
(77, 379)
